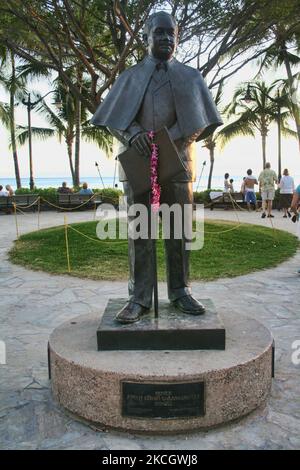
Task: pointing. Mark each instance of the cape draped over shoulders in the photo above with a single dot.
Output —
(195, 108)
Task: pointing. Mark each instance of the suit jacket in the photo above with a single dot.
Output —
(195, 108)
(179, 100)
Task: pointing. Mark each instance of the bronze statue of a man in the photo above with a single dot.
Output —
(160, 92)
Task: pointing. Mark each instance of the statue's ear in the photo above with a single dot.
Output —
(145, 39)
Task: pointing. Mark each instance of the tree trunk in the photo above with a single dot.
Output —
(212, 162)
(77, 131)
(12, 121)
(264, 145)
(295, 108)
(69, 143)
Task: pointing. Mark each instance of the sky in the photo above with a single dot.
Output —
(50, 157)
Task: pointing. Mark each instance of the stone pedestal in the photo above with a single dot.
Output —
(161, 391)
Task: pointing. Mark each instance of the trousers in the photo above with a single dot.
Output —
(140, 285)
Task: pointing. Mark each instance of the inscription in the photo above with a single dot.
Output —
(156, 400)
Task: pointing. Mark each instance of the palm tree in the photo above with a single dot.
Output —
(67, 123)
(284, 37)
(211, 141)
(78, 118)
(15, 87)
(257, 117)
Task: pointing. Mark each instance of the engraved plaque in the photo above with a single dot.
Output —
(163, 400)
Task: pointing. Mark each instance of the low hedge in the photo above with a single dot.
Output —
(111, 195)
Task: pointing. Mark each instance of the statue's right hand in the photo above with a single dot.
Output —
(141, 142)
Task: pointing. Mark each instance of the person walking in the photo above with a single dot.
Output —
(287, 188)
(267, 180)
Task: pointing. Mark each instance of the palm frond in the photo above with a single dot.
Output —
(5, 114)
(287, 132)
(98, 136)
(238, 128)
(41, 133)
(293, 58)
(33, 70)
(53, 118)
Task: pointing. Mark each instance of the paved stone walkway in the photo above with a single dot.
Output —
(33, 303)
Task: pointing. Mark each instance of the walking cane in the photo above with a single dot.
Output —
(154, 256)
(200, 176)
(97, 166)
(116, 159)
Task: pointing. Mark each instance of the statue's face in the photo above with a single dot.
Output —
(162, 38)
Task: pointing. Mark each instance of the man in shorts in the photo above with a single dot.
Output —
(267, 180)
(248, 184)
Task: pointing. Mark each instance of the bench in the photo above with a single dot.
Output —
(73, 200)
(225, 201)
(22, 201)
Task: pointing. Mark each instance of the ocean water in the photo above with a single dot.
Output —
(108, 182)
(55, 182)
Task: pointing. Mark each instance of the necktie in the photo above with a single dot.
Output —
(162, 66)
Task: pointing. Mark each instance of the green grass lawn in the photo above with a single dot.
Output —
(246, 249)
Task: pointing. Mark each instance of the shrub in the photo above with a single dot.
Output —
(49, 194)
(110, 195)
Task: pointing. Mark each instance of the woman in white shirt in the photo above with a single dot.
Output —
(287, 188)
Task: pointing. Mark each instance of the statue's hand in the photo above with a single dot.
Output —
(141, 142)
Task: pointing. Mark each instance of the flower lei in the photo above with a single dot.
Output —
(155, 187)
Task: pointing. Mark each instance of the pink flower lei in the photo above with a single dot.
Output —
(155, 187)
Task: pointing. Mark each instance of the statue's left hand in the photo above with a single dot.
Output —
(141, 142)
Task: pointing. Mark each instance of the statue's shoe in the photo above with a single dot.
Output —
(131, 312)
(188, 304)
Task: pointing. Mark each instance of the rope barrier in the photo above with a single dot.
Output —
(97, 239)
(271, 221)
(30, 205)
(223, 231)
(235, 205)
(16, 220)
(67, 243)
(67, 226)
(69, 208)
(19, 210)
(39, 210)
(220, 231)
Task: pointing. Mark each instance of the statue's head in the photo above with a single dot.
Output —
(160, 35)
